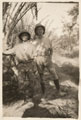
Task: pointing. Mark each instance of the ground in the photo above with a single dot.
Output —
(52, 105)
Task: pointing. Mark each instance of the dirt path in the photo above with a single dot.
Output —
(51, 104)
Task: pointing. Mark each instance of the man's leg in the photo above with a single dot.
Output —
(40, 71)
(52, 71)
(35, 84)
(21, 83)
(23, 80)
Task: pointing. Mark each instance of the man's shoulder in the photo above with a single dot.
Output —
(34, 42)
(17, 45)
(46, 40)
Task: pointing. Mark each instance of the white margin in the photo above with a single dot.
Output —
(18, 118)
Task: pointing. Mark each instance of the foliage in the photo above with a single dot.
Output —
(74, 12)
(70, 38)
(13, 13)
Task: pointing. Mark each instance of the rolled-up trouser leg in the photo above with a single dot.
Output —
(35, 86)
(23, 83)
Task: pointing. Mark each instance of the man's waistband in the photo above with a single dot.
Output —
(25, 62)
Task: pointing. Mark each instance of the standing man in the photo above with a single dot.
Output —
(43, 56)
(26, 70)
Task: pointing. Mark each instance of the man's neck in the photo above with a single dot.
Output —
(40, 37)
(25, 41)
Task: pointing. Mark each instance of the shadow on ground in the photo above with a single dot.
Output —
(37, 112)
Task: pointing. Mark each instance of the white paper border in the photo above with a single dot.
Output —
(79, 93)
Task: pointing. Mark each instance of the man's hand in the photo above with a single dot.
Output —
(40, 60)
(8, 52)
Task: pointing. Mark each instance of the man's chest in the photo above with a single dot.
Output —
(43, 44)
(24, 51)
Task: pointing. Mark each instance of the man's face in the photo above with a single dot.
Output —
(24, 38)
(40, 31)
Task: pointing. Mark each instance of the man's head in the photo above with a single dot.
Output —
(39, 30)
(24, 36)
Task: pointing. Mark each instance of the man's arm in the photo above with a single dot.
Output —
(9, 52)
